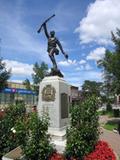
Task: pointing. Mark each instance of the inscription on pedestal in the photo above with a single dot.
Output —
(64, 105)
(48, 93)
(45, 110)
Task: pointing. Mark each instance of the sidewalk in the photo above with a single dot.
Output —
(113, 139)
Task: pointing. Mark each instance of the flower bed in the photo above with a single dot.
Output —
(102, 152)
(57, 156)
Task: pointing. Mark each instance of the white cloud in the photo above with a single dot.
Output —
(94, 75)
(67, 63)
(84, 67)
(96, 54)
(19, 68)
(80, 68)
(18, 36)
(63, 63)
(16, 81)
(72, 61)
(82, 61)
(103, 16)
(88, 67)
(78, 78)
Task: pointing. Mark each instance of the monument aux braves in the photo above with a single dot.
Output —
(54, 91)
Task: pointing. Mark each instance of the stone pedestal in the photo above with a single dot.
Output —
(54, 95)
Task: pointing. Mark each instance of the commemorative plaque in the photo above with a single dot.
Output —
(64, 105)
(48, 93)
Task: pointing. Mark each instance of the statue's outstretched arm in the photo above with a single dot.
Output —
(61, 48)
(45, 30)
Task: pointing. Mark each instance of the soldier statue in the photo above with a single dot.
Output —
(52, 49)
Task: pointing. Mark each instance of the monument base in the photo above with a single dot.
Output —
(58, 138)
(54, 96)
(59, 145)
(57, 135)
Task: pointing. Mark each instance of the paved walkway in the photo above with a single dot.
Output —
(112, 138)
(103, 119)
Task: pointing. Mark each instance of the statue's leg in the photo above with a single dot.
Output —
(51, 55)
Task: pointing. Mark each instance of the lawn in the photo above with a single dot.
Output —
(110, 126)
(108, 113)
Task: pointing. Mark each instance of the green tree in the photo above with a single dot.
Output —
(37, 145)
(27, 84)
(111, 66)
(40, 70)
(4, 75)
(91, 87)
(83, 134)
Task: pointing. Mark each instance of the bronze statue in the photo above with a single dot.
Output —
(52, 49)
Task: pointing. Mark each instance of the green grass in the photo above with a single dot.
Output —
(101, 113)
(110, 126)
(108, 113)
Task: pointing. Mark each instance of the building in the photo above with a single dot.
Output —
(75, 94)
(116, 105)
(16, 92)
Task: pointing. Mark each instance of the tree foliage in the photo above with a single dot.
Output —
(40, 70)
(37, 144)
(4, 75)
(27, 84)
(83, 132)
(92, 88)
(111, 66)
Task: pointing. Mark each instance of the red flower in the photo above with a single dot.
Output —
(102, 152)
(57, 156)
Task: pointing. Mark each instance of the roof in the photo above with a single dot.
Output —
(74, 87)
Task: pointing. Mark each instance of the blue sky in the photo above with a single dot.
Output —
(82, 26)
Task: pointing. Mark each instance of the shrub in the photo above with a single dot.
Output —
(8, 138)
(83, 132)
(109, 106)
(37, 142)
(116, 112)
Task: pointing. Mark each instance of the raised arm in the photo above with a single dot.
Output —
(45, 30)
(61, 48)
